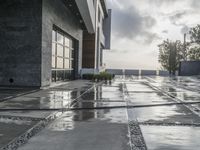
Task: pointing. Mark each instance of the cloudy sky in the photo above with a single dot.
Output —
(138, 26)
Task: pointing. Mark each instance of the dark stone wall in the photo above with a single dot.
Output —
(189, 68)
(56, 13)
(26, 36)
(20, 47)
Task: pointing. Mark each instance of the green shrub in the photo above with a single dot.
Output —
(88, 76)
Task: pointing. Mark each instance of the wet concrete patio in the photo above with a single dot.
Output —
(131, 113)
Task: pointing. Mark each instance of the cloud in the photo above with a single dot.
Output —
(176, 17)
(165, 31)
(150, 37)
(163, 2)
(129, 23)
(195, 4)
(185, 29)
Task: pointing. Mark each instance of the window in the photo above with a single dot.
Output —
(67, 52)
(62, 56)
(60, 38)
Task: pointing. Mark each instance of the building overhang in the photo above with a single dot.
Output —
(104, 6)
(87, 11)
(72, 6)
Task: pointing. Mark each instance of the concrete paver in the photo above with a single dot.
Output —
(17, 126)
(161, 127)
(171, 137)
(88, 130)
(11, 129)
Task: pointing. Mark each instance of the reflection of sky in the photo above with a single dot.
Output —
(171, 138)
(138, 26)
(156, 113)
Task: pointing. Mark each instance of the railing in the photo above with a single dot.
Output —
(138, 72)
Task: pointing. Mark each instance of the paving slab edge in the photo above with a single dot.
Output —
(136, 138)
(18, 95)
(22, 139)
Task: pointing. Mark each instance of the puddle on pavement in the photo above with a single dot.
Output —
(165, 114)
(98, 95)
(171, 137)
(148, 98)
(69, 119)
(138, 87)
(53, 99)
(82, 104)
(186, 96)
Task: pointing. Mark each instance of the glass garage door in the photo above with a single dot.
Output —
(62, 57)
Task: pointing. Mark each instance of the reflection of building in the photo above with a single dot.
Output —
(43, 41)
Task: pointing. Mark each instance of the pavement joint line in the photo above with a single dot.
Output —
(101, 101)
(184, 87)
(106, 107)
(74, 101)
(18, 95)
(136, 136)
(174, 83)
(23, 118)
(169, 124)
(128, 127)
(137, 141)
(142, 92)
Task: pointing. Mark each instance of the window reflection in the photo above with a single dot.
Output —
(67, 52)
(59, 38)
(59, 50)
(67, 64)
(67, 41)
(59, 63)
(62, 57)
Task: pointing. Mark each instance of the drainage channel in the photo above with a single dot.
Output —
(137, 141)
(169, 124)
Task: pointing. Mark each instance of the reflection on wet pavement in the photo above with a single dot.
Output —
(86, 130)
(163, 127)
(69, 119)
(148, 98)
(171, 138)
(166, 114)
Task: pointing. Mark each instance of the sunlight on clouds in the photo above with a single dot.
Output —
(139, 26)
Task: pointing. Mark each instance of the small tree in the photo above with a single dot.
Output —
(194, 53)
(195, 34)
(170, 54)
(194, 50)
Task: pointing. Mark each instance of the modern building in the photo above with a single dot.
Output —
(45, 41)
(95, 43)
